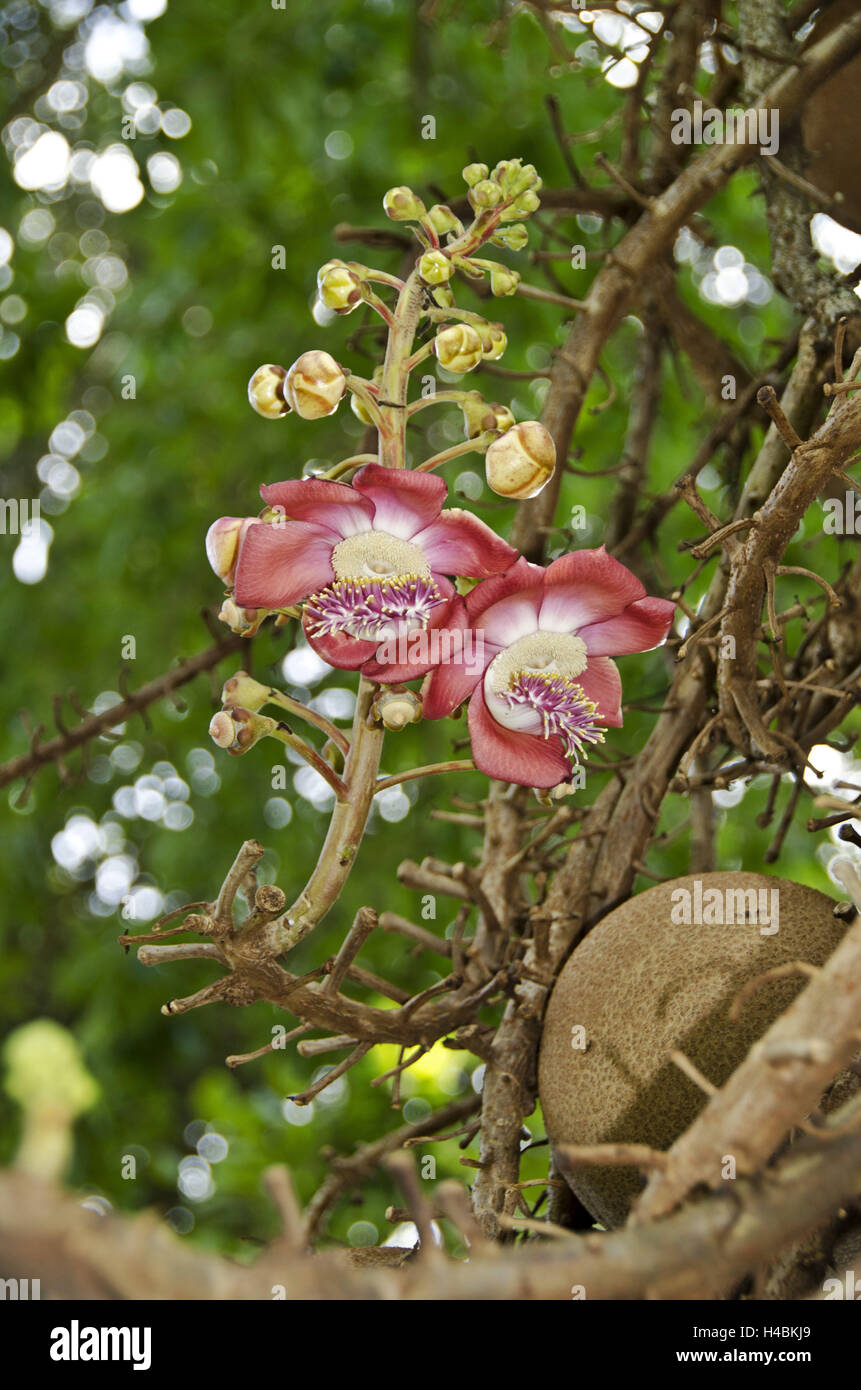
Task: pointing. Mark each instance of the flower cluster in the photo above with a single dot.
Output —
(374, 566)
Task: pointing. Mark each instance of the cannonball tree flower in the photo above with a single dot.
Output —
(532, 652)
(370, 561)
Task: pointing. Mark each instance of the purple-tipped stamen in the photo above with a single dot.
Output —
(372, 609)
(563, 706)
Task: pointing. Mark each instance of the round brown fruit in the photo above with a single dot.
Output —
(641, 985)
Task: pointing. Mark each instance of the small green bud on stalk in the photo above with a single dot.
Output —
(524, 206)
(521, 462)
(435, 268)
(443, 220)
(315, 384)
(244, 691)
(474, 173)
(266, 391)
(502, 280)
(458, 348)
(514, 237)
(485, 194)
(402, 205)
(443, 297)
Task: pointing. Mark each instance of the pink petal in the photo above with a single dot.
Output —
(282, 562)
(642, 626)
(338, 649)
(328, 504)
(584, 588)
(452, 682)
(511, 756)
(602, 683)
(522, 575)
(506, 607)
(459, 543)
(404, 501)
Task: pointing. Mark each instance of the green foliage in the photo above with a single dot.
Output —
(202, 307)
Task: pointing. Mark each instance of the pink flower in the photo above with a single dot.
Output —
(533, 658)
(370, 561)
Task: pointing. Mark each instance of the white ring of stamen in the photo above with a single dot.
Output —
(378, 555)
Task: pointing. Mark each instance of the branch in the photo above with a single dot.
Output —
(26, 764)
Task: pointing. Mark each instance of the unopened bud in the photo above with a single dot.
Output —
(266, 391)
(502, 417)
(458, 348)
(474, 173)
(514, 237)
(516, 177)
(502, 280)
(314, 385)
(357, 405)
(435, 268)
(493, 341)
(443, 296)
(485, 194)
(222, 730)
(521, 462)
(402, 205)
(478, 416)
(243, 690)
(443, 220)
(239, 729)
(223, 540)
(397, 708)
(243, 621)
(524, 206)
(339, 287)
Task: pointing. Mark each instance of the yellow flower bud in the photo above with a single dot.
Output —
(493, 341)
(266, 391)
(458, 348)
(521, 462)
(314, 385)
(397, 708)
(474, 173)
(339, 287)
(243, 621)
(502, 417)
(402, 205)
(502, 280)
(435, 268)
(478, 416)
(223, 540)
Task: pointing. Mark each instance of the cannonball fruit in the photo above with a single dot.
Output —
(661, 973)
